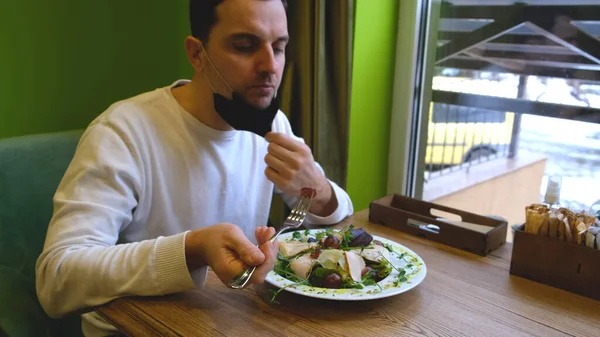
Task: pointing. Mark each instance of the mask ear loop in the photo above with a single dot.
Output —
(209, 84)
(217, 71)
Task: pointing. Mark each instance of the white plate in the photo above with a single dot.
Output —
(387, 287)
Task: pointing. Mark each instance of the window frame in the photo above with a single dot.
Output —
(413, 80)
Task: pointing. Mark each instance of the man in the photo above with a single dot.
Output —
(162, 186)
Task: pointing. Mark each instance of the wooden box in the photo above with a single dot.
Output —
(565, 265)
(473, 233)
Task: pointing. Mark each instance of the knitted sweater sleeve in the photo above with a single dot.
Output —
(82, 265)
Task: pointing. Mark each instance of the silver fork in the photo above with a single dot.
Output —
(294, 220)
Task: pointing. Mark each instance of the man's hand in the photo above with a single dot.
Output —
(263, 235)
(291, 166)
(225, 248)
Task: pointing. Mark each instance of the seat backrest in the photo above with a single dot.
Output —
(31, 168)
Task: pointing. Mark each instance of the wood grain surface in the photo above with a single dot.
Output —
(462, 295)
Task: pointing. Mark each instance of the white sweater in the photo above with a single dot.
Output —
(145, 173)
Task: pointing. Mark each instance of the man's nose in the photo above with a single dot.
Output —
(266, 60)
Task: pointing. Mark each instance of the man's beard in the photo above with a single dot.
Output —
(243, 115)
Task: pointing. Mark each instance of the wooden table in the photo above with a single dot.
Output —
(462, 295)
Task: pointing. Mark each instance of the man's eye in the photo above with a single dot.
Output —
(279, 49)
(244, 48)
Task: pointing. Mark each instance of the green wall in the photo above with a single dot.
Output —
(371, 102)
(63, 62)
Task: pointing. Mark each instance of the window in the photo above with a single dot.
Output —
(512, 97)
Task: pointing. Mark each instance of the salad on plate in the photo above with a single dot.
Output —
(348, 263)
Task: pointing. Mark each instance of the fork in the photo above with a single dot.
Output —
(293, 221)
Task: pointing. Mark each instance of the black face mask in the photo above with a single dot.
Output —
(241, 115)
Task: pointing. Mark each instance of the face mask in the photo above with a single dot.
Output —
(241, 115)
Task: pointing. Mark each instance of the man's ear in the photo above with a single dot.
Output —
(194, 52)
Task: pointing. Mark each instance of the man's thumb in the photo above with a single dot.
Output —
(248, 252)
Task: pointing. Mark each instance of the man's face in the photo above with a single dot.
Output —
(247, 46)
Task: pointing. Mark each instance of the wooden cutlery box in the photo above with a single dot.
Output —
(468, 231)
(564, 265)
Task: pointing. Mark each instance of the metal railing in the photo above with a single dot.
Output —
(461, 136)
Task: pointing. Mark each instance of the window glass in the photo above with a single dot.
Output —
(515, 99)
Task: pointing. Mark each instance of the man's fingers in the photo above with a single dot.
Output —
(270, 251)
(275, 163)
(284, 141)
(275, 178)
(229, 266)
(246, 250)
(280, 152)
(264, 234)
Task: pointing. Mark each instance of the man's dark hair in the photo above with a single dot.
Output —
(203, 16)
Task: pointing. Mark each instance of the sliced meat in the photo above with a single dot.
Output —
(375, 253)
(302, 265)
(355, 265)
(292, 248)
